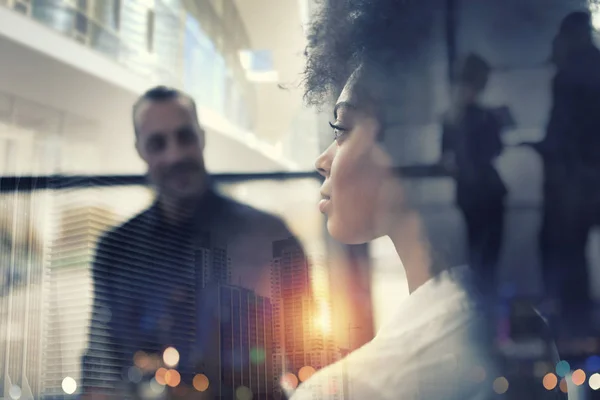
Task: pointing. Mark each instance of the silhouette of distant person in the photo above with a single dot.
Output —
(470, 144)
(571, 155)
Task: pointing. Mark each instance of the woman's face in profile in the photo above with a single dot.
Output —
(360, 192)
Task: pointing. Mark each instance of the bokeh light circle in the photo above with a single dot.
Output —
(172, 378)
(478, 374)
(157, 387)
(150, 391)
(69, 386)
(135, 375)
(550, 381)
(563, 385)
(141, 360)
(289, 381)
(305, 373)
(200, 382)
(578, 377)
(243, 393)
(562, 368)
(15, 392)
(257, 355)
(500, 385)
(160, 376)
(594, 381)
(171, 357)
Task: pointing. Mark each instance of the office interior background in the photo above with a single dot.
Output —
(70, 71)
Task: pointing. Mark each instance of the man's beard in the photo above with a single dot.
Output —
(194, 176)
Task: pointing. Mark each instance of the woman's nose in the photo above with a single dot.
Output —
(323, 162)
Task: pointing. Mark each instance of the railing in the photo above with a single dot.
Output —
(148, 41)
(30, 183)
(24, 208)
(101, 26)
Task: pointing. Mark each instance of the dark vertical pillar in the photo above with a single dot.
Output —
(451, 33)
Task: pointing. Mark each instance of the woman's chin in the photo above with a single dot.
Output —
(345, 234)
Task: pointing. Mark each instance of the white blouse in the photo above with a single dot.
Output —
(432, 348)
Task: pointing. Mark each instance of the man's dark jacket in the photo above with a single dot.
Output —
(147, 275)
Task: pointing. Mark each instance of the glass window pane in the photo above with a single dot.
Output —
(150, 30)
(64, 226)
(81, 23)
(54, 13)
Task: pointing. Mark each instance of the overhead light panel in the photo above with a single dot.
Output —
(258, 65)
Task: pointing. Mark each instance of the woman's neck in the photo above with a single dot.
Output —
(413, 249)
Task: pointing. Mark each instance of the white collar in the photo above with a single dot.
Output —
(446, 292)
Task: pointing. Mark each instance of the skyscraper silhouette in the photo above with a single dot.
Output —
(21, 300)
(300, 340)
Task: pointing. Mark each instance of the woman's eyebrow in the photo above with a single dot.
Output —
(342, 104)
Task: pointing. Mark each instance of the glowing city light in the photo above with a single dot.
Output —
(172, 378)
(562, 368)
(171, 357)
(550, 381)
(500, 385)
(69, 386)
(134, 374)
(150, 390)
(160, 376)
(578, 377)
(563, 385)
(141, 360)
(323, 318)
(594, 7)
(15, 392)
(478, 374)
(323, 323)
(243, 393)
(305, 373)
(200, 382)
(257, 355)
(289, 381)
(156, 387)
(594, 381)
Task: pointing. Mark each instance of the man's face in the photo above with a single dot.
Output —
(171, 142)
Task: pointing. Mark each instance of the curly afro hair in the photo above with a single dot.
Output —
(375, 34)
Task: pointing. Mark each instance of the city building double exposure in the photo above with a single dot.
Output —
(70, 71)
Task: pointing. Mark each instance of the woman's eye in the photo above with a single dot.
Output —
(338, 131)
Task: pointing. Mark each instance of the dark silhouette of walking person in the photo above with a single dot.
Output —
(470, 143)
(570, 153)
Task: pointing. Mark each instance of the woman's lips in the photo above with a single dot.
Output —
(323, 205)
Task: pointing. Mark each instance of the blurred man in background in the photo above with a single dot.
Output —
(150, 273)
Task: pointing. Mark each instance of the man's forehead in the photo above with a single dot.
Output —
(180, 107)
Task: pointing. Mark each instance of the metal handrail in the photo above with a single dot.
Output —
(57, 182)
(25, 184)
(9, 184)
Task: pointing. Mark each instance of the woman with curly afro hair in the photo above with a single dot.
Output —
(440, 342)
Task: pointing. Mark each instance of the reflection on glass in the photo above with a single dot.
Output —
(68, 223)
(54, 13)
